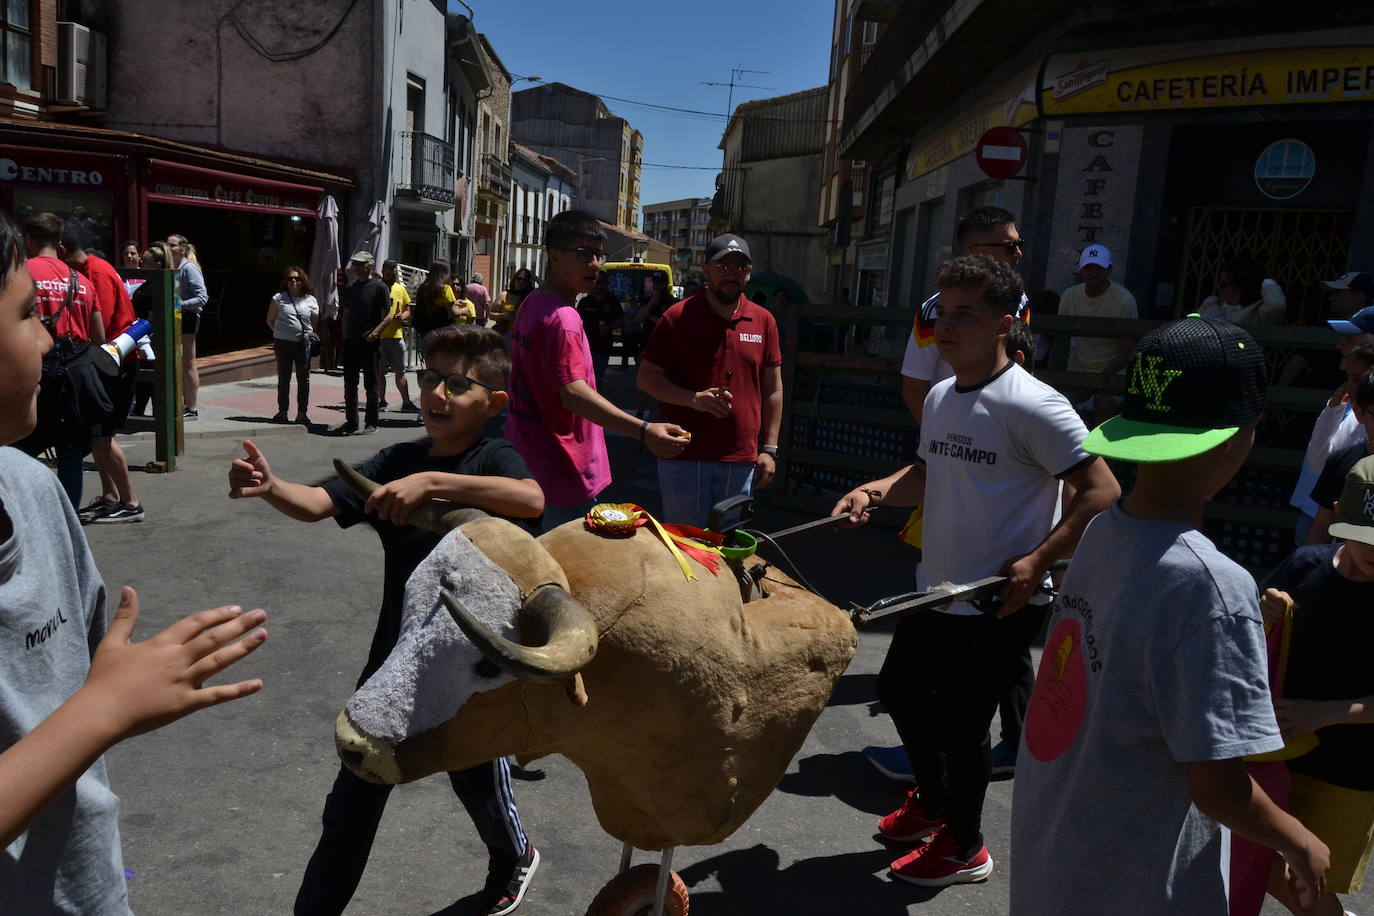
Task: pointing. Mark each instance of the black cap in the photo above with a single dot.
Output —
(1192, 385)
(722, 245)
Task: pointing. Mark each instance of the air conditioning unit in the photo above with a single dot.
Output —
(80, 66)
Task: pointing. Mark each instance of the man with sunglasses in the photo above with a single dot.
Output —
(989, 231)
(556, 415)
(713, 363)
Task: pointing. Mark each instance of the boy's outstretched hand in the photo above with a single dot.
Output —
(250, 475)
(149, 684)
(666, 440)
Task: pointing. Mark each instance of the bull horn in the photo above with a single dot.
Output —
(549, 615)
(432, 516)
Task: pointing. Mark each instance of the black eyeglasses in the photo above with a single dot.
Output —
(1012, 247)
(293, 279)
(454, 385)
(586, 255)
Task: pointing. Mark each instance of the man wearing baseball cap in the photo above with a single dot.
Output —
(1349, 293)
(1336, 427)
(1153, 686)
(365, 304)
(714, 364)
(1098, 296)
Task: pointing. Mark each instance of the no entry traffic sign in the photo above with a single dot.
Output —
(1001, 152)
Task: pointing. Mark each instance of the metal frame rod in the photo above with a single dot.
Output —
(665, 871)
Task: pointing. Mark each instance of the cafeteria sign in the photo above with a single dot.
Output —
(1164, 78)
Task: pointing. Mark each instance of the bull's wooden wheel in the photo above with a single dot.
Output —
(631, 893)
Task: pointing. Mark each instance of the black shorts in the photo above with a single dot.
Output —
(121, 391)
(190, 322)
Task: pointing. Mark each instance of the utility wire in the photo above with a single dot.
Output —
(694, 113)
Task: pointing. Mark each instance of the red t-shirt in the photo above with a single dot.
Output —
(51, 276)
(695, 347)
(111, 296)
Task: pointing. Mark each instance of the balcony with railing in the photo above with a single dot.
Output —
(496, 176)
(427, 176)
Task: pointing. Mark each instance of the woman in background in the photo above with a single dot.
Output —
(522, 283)
(292, 313)
(154, 257)
(191, 287)
(434, 304)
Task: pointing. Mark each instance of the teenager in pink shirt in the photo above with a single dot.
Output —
(556, 415)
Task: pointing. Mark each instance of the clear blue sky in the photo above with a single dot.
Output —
(660, 53)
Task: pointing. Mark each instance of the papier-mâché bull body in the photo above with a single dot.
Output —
(695, 702)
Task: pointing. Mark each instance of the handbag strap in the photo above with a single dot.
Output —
(305, 327)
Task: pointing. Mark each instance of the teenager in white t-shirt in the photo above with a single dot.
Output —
(989, 231)
(994, 441)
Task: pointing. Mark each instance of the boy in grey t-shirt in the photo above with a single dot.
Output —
(68, 689)
(1153, 684)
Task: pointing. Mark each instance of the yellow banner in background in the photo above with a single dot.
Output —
(1127, 80)
(961, 137)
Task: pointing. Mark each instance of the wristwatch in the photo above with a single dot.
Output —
(769, 450)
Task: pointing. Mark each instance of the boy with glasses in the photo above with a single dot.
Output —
(461, 387)
(556, 414)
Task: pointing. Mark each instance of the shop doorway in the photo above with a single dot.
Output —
(243, 256)
(1299, 248)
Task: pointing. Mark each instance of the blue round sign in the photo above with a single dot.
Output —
(1285, 169)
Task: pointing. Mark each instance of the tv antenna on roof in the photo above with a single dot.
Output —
(736, 73)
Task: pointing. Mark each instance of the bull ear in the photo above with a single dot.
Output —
(437, 517)
(565, 629)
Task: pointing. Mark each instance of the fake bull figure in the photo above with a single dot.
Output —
(682, 705)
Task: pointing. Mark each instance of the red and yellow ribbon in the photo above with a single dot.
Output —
(621, 520)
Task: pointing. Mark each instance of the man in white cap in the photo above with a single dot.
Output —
(1349, 293)
(1098, 296)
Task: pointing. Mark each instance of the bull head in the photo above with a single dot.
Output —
(556, 635)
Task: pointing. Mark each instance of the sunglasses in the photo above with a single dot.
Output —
(1012, 247)
(454, 385)
(586, 255)
(293, 279)
(736, 270)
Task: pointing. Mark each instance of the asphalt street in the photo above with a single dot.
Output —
(221, 810)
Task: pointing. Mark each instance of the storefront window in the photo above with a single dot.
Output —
(18, 44)
(91, 213)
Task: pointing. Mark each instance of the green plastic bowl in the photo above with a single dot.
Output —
(739, 545)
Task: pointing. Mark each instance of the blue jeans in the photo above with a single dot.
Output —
(690, 488)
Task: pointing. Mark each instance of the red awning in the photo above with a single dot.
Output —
(190, 185)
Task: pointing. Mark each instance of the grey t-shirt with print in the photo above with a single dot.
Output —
(1155, 658)
(52, 616)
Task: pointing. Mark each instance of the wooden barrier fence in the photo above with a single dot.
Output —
(844, 421)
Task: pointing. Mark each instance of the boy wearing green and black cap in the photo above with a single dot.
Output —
(1153, 686)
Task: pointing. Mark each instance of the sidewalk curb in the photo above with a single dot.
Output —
(247, 432)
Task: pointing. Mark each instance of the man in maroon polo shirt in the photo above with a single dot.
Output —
(714, 365)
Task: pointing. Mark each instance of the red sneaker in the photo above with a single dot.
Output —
(938, 864)
(910, 822)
